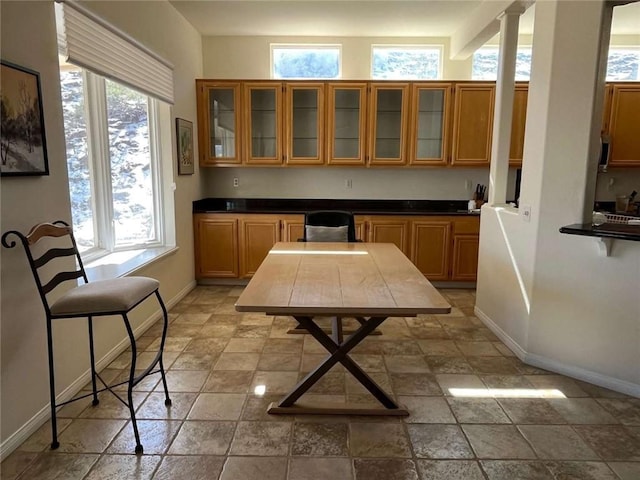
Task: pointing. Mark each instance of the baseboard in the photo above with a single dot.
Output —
(42, 416)
(545, 363)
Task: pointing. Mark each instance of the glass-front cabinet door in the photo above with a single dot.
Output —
(219, 122)
(388, 110)
(429, 138)
(263, 123)
(304, 119)
(346, 123)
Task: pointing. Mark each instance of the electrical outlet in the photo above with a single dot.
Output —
(612, 181)
(525, 212)
(236, 182)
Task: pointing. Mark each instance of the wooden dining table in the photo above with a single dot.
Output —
(367, 281)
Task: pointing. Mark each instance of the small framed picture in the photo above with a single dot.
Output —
(184, 139)
(23, 145)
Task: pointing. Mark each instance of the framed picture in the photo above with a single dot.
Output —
(23, 148)
(184, 139)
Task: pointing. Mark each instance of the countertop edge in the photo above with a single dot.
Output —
(616, 231)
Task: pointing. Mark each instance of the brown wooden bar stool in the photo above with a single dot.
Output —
(96, 299)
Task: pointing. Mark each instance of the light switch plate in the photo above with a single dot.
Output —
(525, 212)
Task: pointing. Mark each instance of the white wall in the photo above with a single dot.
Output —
(29, 39)
(572, 311)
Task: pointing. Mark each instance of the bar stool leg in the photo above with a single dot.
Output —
(132, 375)
(165, 316)
(52, 388)
(93, 363)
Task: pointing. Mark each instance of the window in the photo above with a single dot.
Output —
(305, 61)
(406, 62)
(113, 164)
(623, 64)
(485, 63)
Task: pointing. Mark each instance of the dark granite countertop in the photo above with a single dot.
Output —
(606, 230)
(358, 207)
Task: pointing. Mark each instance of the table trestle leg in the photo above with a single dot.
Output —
(339, 353)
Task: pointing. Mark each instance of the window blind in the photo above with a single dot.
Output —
(89, 42)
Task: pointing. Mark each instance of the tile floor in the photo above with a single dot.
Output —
(218, 428)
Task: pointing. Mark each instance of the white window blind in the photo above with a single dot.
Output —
(89, 42)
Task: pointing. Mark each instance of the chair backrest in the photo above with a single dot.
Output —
(331, 218)
(38, 259)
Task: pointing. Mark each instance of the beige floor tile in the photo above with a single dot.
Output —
(184, 381)
(194, 361)
(530, 410)
(581, 470)
(506, 381)
(442, 348)
(626, 470)
(252, 331)
(320, 439)
(449, 470)
(261, 438)
(217, 331)
(189, 467)
(217, 406)
(498, 441)
(115, 467)
(458, 381)
(390, 347)
(257, 319)
(626, 410)
(557, 442)
(172, 344)
(513, 469)
(255, 468)
(283, 345)
(237, 361)
(406, 364)
(448, 364)
(111, 407)
(228, 381)
(41, 439)
(155, 437)
(439, 441)
(245, 345)
(279, 361)
(378, 440)
(154, 407)
(315, 468)
(192, 318)
(478, 349)
(611, 442)
(477, 410)
(255, 409)
(16, 463)
(207, 345)
(88, 435)
(203, 438)
(274, 382)
(389, 469)
(582, 411)
(426, 409)
(566, 385)
(493, 365)
(414, 384)
(59, 466)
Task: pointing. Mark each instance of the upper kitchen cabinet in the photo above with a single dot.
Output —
(304, 121)
(263, 123)
(346, 123)
(624, 121)
(429, 127)
(472, 124)
(388, 114)
(219, 136)
(518, 121)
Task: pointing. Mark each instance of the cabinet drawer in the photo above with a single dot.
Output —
(468, 225)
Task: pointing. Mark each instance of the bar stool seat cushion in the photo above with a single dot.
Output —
(105, 296)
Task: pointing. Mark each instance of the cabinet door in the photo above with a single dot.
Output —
(305, 123)
(263, 123)
(472, 124)
(346, 123)
(430, 247)
(292, 227)
(216, 246)
(624, 124)
(258, 234)
(218, 122)
(465, 258)
(518, 124)
(388, 112)
(389, 229)
(429, 137)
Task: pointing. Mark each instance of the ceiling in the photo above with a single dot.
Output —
(353, 18)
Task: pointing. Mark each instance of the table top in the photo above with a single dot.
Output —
(350, 279)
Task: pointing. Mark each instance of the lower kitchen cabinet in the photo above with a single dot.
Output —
(431, 247)
(443, 248)
(216, 246)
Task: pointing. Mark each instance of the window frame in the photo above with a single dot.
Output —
(304, 46)
(95, 110)
(398, 46)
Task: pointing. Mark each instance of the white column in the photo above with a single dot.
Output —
(503, 111)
